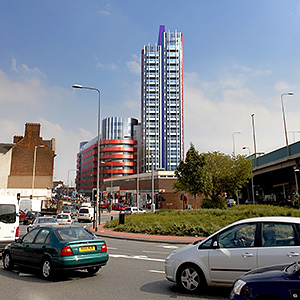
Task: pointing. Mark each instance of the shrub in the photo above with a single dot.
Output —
(200, 223)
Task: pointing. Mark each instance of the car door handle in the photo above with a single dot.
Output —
(291, 254)
(247, 254)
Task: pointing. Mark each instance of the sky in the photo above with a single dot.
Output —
(239, 57)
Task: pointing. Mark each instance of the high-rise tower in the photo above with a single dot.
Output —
(162, 112)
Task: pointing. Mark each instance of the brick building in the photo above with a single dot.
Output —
(164, 193)
(26, 165)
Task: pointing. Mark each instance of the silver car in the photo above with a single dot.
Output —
(240, 247)
(42, 221)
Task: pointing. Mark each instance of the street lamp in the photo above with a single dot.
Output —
(233, 143)
(247, 148)
(255, 157)
(69, 180)
(78, 86)
(293, 132)
(152, 185)
(284, 122)
(34, 166)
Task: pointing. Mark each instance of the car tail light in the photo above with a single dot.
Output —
(17, 232)
(69, 220)
(104, 248)
(66, 251)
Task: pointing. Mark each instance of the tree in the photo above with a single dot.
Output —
(227, 175)
(191, 173)
(212, 174)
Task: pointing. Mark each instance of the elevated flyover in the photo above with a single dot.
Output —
(276, 175)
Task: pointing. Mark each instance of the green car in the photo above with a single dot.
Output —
(51, 249)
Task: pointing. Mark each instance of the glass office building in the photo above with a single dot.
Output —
(162, 124)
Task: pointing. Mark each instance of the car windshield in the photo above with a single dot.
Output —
(74, 233)
(291, 269)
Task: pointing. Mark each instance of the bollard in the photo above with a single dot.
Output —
(121, 218)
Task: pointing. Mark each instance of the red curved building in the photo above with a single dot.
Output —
(118, 154)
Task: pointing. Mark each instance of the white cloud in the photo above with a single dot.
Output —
(20, 91)
(134, 65)
(100, 65)
(66, 144)
(214, 110)
(106, 10)
(24, 70)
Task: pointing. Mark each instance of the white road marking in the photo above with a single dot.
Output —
(138, 257)
(156, 271)
(169, 247)
(156, 252)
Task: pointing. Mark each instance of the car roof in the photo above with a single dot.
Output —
(270, 219)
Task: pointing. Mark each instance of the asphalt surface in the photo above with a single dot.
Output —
(104, 232)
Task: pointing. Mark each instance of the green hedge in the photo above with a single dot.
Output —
(200, 223)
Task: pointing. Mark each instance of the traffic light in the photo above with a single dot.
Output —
(95, 197)
(18, 196)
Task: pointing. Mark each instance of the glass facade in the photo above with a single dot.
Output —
(162, 102)
(118, 154)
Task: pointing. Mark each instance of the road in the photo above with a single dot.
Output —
(134, 271)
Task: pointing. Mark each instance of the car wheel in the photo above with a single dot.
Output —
(190, 278)
(46, 270)
(93, 270)
(7, 261)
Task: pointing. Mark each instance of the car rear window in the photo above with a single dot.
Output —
(62, 217)
(73, 234)
(84, 211)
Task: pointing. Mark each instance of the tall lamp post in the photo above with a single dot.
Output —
(78, 86)
(247, 148)
(34, 166)
(69, 180)
(284, 122)
(152, 186)
(233, 142)
(255, 156)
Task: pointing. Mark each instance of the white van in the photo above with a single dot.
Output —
(86, 214)
(9, 220)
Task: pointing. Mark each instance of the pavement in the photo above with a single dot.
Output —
(105, 232)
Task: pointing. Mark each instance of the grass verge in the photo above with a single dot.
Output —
(200, 223)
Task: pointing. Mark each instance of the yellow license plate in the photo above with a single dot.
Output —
(87, 248)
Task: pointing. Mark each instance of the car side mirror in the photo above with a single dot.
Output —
(18, 240)
(215, 245)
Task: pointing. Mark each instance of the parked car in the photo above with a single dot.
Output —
(275, 282)
(64, 219)
(56, 248)
(230, 252)
(30, 217)
(134, 210)
(42, 221)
